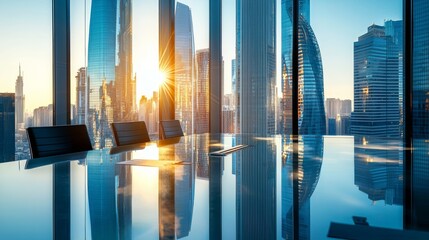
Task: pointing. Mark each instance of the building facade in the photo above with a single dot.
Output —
(201, 96)
(81, 96)
(184, 67)
(19, 101)
(256, 66)
(376, 85)
(420, 71)
(101, 70)
(311, 111)
(7, 127)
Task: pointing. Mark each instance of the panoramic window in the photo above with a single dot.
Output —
(26, 76)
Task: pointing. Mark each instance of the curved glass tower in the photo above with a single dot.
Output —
(311, 113)
(101, 70)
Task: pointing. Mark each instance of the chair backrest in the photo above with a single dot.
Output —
(126, 133)
(56, 140)
(170, 129)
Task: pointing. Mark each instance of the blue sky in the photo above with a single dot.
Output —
(26, 38)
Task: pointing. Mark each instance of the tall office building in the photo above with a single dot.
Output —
(185, 67)
(256, 66)
(7, 127)
(376, 84)
(81, 96)
(101, 69)
(19, 101)
(311, 110)
(420, 71)
(233, 76)
(201, 90)
(125, 106)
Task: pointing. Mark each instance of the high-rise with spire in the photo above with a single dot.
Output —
(19, 101)
(311, 110)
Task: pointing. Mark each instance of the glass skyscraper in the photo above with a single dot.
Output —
(185, 67)
(201, 96)
(311, 110)
(125, 83)
(377, 78)
(101, 70)
(7, 127)
(420, 70)
(256, 66)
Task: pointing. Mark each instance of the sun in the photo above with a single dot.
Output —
(160, 77)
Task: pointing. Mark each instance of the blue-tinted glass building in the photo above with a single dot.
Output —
(377, 61)
(101, 70)
(7, 127)
(185, 67)
(311, 109)
(256, 66)
(420, 70)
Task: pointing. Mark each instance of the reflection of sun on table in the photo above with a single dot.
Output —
(150, 152)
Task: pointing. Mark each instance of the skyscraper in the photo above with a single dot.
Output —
(420, 71)
(125, 86)
(256, 66)
(101, 69)
(185, 67)
(7, 127)
(311, 111)
(81, 96)
(201, 96)
(19, 101)
(376, 85)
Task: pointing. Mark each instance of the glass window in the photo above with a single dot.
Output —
(26, 76)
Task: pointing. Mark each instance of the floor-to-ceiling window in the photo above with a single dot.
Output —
(26, 75)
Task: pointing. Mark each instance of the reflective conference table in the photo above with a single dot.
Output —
(188, 188)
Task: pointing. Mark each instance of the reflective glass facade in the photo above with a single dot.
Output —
(311, 109)
(184, 67)
(256, 66)
(377, 80)
(420, 69)
(101, 71)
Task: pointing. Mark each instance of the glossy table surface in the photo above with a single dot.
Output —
(269, 188)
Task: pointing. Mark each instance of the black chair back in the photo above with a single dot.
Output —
(126, 133)
(170, 129)
(56, 140)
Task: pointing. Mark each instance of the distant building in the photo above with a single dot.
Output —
(19, 101)
(148, 112)
(7, 127)
(376, 84)
(201, 92)
(332, 126)
(335, 106)
(43, 116)
(81, 96)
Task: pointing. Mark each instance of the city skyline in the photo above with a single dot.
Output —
(39, 75)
